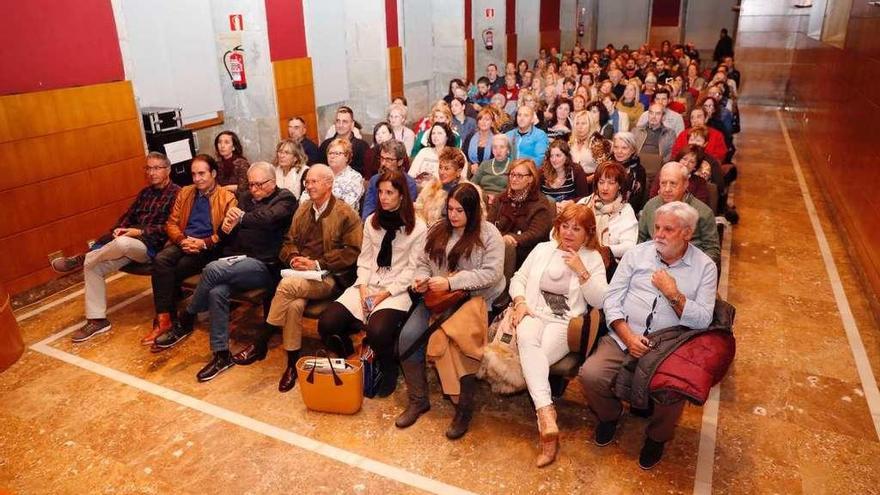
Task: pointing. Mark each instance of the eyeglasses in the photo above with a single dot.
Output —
(154, 169)
(259, 184)
(385, 158)
(335, 153)
(514, 175)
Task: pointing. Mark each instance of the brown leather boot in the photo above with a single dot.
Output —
(161, 324)
(549, 436)
(416, 379)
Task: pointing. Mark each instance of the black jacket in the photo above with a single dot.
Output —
(262, 228)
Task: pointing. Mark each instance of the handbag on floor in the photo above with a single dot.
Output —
(501, 366)
(331, 385)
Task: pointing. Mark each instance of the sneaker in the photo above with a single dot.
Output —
(651, 454)
(90, 329)
(171, 338)
(221, 362)
(68, 264)
(605, 431)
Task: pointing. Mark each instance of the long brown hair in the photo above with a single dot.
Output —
(406, 209)
(547, 170)
(435, 245)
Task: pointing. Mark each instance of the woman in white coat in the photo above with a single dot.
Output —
(557, 282)
(378, 301)
(616, 222)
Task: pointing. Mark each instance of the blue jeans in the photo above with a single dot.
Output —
(219, 279)
(412, 334)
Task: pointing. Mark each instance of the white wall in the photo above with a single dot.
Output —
(325, 38)
(447, 22)
(367, 58)
(705, 20)
(623, 22)
(528, 34)
(418, 53)
(498, 54)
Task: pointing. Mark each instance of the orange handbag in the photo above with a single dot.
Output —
(438, 301)
(332, 386)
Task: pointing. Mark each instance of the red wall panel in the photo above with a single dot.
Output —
(51, 44)
(665, 13)
(510, 17)
(287, 33)
(549, 15)
(391, 23)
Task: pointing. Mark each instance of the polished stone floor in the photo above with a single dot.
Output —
(107, 416)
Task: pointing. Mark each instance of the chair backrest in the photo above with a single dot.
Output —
(652, 163)
(713, 197)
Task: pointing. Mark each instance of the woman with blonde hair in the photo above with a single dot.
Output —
(630, 103)
(559, 280)
(440, 114)
(290, 166)
(586, 142)
(397, 118)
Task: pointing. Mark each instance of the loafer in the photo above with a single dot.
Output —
(250, 355)
(651, 454)
(288, 380)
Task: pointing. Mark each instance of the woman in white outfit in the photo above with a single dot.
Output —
(557, 282)
(378, 301)
(616, 222)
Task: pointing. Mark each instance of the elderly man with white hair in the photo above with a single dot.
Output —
(658, 284)
(250, 236)
(673, 187)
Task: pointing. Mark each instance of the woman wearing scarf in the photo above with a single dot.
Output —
(522, 214)
(616, 225)
(431, 203)
(378, 301)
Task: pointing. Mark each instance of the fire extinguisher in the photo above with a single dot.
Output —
(488, 38)
(233, 60)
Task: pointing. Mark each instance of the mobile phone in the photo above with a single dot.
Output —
(370, 303)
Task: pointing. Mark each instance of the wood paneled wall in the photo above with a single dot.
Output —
(834, 103)
(295, 93)
(73, 161)
(395, 70)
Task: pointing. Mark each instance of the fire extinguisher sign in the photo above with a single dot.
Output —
(236, 22)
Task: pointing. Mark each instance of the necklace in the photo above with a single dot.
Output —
(496, 172)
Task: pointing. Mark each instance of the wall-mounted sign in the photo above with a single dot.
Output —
(236, 22)
(490, 13)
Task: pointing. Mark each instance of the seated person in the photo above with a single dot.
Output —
(231, 164)
(462, 251)
(558, 281)
(522, 214)
(634, 187)
(562, 180)
(325, 234)
(440, 114)
(296, 132)
(137, 236)
(431, 203)
(192, 228)
(392, 156)
(491, 175)
(378, 301)
(290, 166)
(714, 139)
(673, 187)
(348, 185)
(658, 284)
(252, 231)
(344, 127)
(696, 182)
(616, 223)
(527, 141)
(478, 145)
(427, 162)
(654, 141)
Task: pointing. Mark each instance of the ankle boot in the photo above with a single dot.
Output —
(464, 411)
(549, 432)
(416, 379)
(161, 324)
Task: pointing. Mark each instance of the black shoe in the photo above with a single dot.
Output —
(250, 355)
(170, 339)
(643, 413)
(221, 362)
(732, 216)
(388, 381)
(651, 454)
(288, 379)
(464, 410)
(605, 431)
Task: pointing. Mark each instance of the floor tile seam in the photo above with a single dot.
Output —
(41, 308)
(863, 365)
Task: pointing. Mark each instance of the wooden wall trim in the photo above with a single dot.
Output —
(395, 70)
(295, 93)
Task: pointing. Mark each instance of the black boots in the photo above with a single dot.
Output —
(416, 379)
(464, 410)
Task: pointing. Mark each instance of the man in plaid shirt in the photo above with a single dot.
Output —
(137, 236)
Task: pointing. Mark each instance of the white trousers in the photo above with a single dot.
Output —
(103, 261)
(542, 341)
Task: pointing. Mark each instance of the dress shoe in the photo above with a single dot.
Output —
(170, 339)
(250, 355)
(221, 362)
(288, 379)
(161, 324)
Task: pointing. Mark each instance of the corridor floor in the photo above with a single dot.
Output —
(107, 416)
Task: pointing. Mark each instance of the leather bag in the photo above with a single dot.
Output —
(331, 388)
(438, 301)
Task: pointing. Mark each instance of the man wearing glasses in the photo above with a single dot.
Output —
(250, 237)
(661, 283)
(392, 156)
(137, 236)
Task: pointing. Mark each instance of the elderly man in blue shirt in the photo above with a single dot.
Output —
(658, 284)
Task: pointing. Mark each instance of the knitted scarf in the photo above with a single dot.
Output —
(391, 222)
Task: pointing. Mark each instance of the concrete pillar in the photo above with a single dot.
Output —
(567, 24)
(447, 23)
(367, 58)
(528, 36)
(498, 54)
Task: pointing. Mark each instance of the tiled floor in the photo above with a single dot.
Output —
(793, 417)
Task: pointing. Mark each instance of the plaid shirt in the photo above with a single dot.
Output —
(149, 212)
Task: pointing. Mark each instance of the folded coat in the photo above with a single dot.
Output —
(456, 348)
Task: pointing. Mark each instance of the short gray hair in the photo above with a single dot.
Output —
(687, 215)
(155, 155)
(322, 170)
(502, 137)
(677, 167)
(628, 139)
(267, 169)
